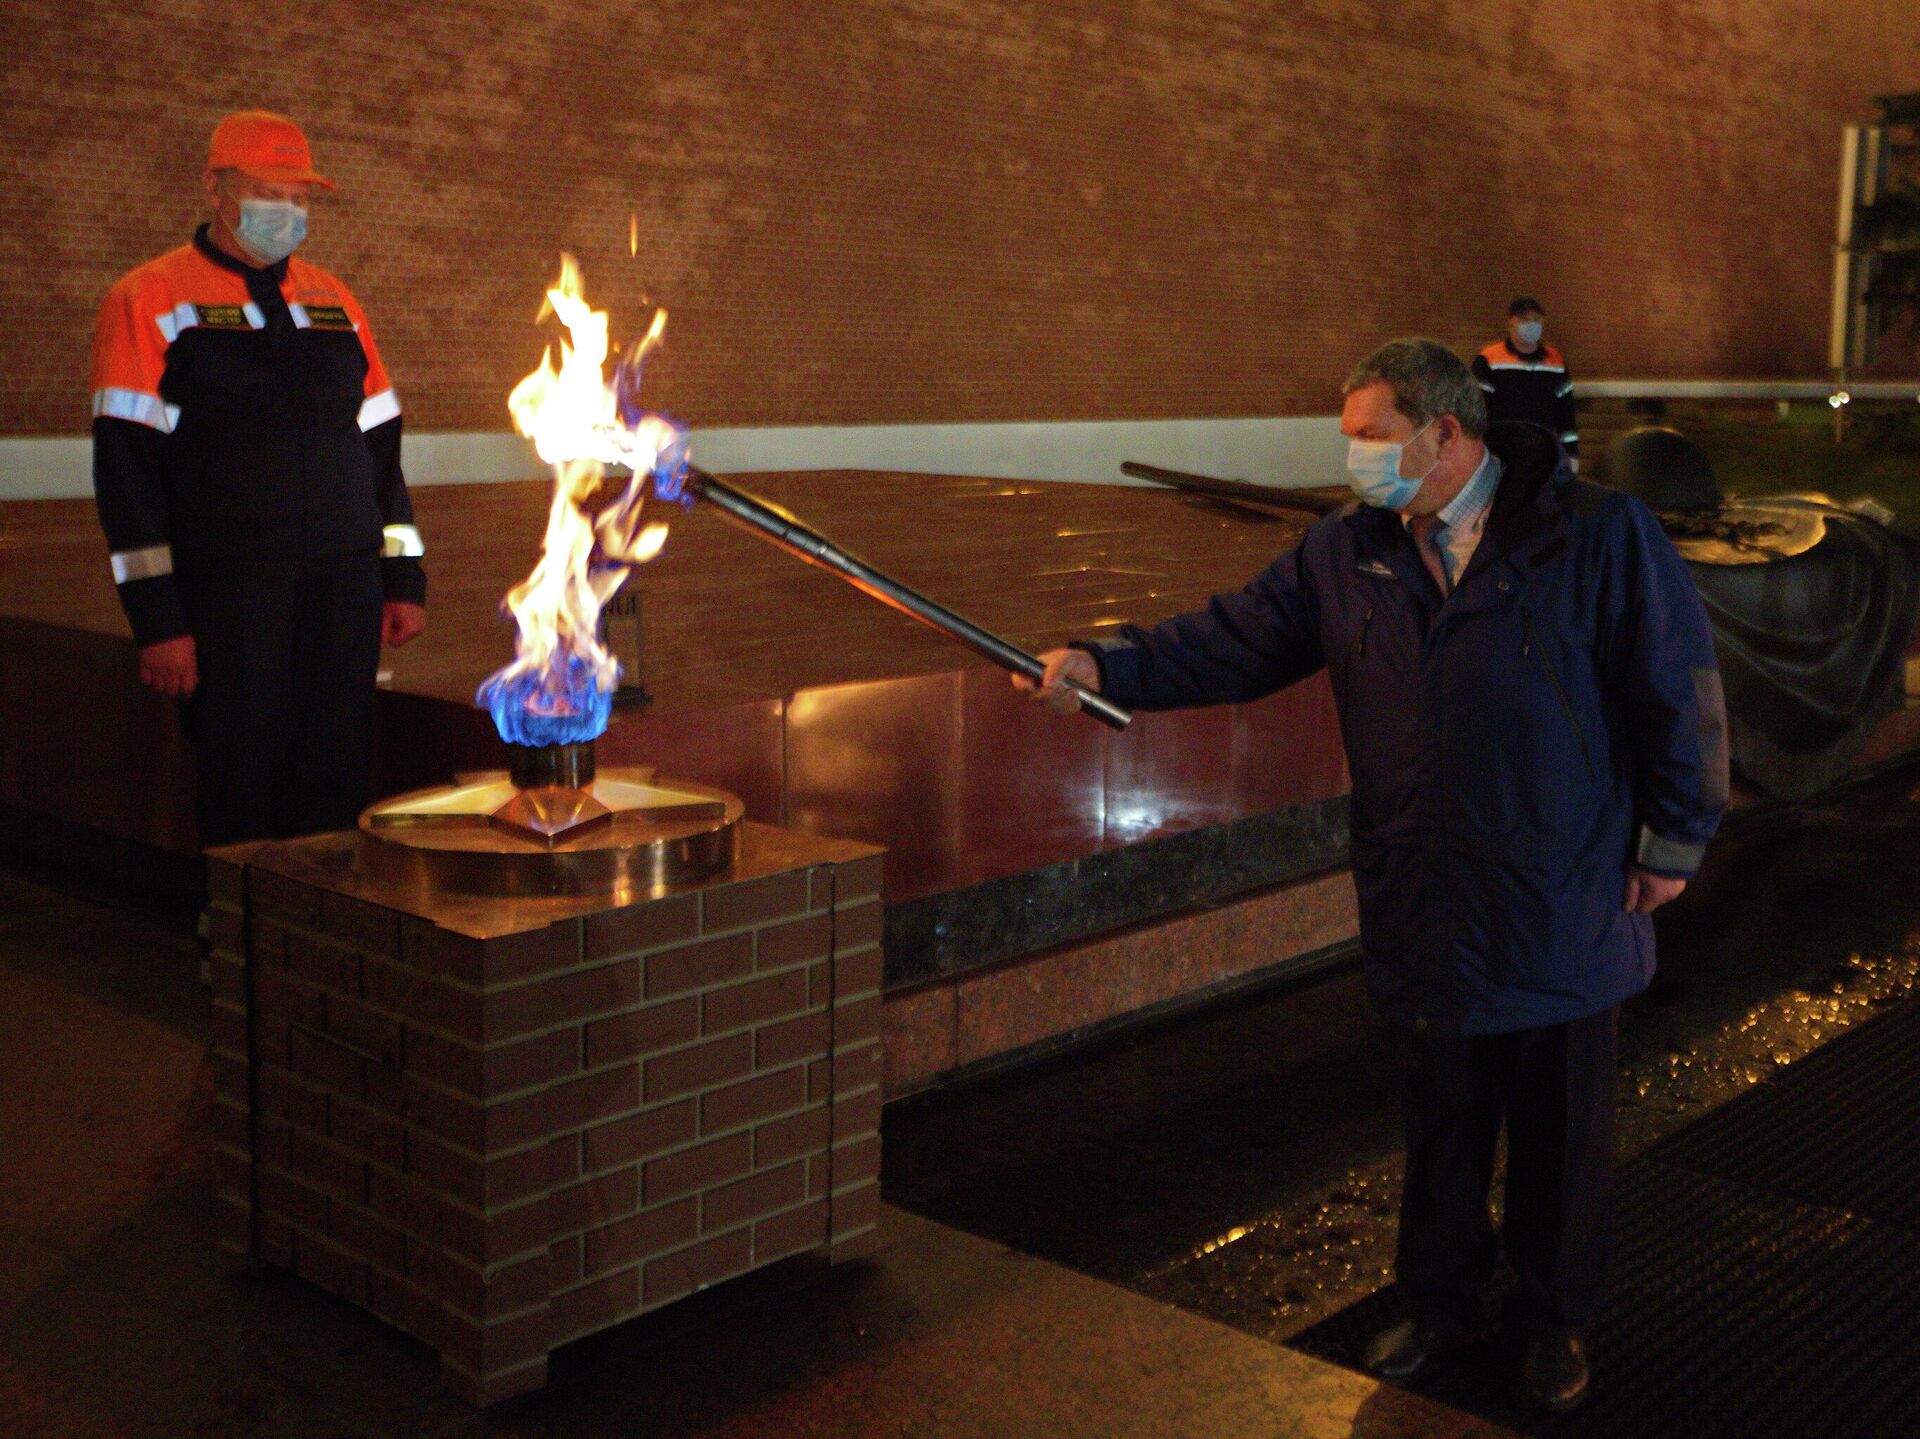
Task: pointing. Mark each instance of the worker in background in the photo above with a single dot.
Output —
(1526, 379)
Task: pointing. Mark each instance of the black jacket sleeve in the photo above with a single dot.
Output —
(1483, 373)
(400, 569)
(131, 497)
(1565, 427)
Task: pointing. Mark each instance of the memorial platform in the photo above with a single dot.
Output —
(1045, 876)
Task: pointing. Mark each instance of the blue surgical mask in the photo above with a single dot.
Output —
(1373, 470)
(271, 230)
(1527, 332)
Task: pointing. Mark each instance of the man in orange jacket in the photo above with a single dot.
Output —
(1526, 379)
(246, 462)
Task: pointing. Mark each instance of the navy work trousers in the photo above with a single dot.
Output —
(282, 722)
(1553, 1088)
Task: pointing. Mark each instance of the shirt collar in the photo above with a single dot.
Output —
(1470, 506)
(203, 242)
(1468, 509)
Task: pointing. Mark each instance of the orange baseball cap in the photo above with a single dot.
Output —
(264, 145)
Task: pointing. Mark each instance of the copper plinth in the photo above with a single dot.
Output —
(552, 824)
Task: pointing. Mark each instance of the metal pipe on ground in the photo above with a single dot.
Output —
(1319, 501)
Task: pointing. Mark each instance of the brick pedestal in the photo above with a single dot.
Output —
(501, 1125)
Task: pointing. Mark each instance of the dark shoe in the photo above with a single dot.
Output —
(1398, 1353)
(1556, 1371)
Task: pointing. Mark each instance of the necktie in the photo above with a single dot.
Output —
(1426, 529)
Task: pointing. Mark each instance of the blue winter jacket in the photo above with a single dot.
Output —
(1513, 746)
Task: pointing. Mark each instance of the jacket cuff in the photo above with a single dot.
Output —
(154, 610)
(1114, 657)
(403, 579)
(1674, 858)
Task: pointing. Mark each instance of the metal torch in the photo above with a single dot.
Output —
(772, 523)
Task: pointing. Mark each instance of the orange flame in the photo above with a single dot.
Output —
(570, 414)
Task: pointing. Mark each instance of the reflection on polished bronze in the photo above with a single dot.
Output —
(550, 813)
(623, 834)
(570, 766)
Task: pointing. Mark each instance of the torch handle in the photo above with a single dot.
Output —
(772, 523)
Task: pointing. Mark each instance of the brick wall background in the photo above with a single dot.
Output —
(969, 209)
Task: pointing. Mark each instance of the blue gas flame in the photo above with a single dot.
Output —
(560, 704)
(670, 471)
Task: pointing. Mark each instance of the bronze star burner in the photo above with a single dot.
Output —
(553, 823)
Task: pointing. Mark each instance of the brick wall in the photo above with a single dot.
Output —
(970, 209)
(500, 1145)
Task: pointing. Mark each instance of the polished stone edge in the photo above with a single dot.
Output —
(1295, 969)
(131, 868)
(948, 934)
(332, 861)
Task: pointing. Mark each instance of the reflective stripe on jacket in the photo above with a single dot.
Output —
(1533, 388)
(241, 414)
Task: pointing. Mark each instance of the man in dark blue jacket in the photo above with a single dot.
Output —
(1535, 730)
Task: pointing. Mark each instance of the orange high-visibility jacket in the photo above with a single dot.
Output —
(241, 415)
(1535, 389)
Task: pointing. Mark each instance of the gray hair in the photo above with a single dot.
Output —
(1427, 379)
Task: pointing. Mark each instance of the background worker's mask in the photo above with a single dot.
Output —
(271, 230)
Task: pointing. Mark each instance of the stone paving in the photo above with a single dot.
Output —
(118, 1317)
(1160, 1215)
(1244, 1163)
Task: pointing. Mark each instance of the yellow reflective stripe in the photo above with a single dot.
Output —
(147, 564)
(401, 542)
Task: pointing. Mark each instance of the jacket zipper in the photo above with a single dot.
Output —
(1531, 642)
(1360, 640)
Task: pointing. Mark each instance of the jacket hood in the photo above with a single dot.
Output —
(1532, 458)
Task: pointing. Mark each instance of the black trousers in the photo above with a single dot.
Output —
(282, 722)
(1553, 1088)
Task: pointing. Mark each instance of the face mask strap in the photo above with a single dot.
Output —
(1403, 450)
